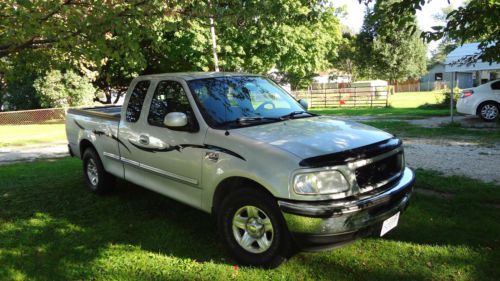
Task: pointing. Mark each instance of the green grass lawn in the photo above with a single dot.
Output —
(402, 128)
(415, 99)
(18, 135)
(51, 228)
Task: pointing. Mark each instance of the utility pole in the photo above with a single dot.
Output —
(214, 42)
(453, 74)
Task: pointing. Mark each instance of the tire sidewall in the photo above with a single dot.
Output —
(481, 110)
(273, 256)
(101, 184)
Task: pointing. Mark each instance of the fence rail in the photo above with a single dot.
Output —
(345, 97)
(35, 116)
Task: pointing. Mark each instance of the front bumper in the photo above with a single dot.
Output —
(329, 224)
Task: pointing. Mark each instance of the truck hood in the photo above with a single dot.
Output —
(314, 136)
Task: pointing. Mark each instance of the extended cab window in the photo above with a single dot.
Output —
(169, 97)
(136, 101)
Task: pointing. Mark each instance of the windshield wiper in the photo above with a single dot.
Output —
(256, 119)
(251, 120)
(293, 114)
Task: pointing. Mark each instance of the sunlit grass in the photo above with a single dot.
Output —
(19, 135)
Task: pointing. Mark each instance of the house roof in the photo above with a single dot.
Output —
(453, 60)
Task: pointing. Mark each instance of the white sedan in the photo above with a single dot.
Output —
(482, 100)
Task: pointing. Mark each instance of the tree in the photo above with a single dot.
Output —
(346, 58)
(110, 42)
(477, 20)
(254, 37)
(395, 55)
(57, 89)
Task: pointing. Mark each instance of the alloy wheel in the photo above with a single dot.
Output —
(253, 229)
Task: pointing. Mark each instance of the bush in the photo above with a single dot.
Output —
(446, 96)
(56, 89)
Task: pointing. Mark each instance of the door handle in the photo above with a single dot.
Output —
(143, 139)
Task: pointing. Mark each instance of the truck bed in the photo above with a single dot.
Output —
(107, 112)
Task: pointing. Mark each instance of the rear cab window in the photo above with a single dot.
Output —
(136, 101)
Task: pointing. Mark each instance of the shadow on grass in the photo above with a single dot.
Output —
(52, 228)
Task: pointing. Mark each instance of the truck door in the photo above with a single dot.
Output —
(131, 125)
(172, 157)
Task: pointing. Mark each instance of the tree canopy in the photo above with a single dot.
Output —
(477, 20)
(110, 42)
(388, 51)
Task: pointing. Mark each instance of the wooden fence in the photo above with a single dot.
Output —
(345, 97)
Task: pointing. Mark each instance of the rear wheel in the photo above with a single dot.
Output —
(488, 111)
(253, 229)
(98, 180)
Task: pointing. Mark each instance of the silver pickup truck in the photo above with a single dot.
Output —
(275, 177)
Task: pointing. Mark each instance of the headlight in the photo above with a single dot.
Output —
(323, 182)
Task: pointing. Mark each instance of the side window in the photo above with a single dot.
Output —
(169, 97)
(495, 86)
(136, 101)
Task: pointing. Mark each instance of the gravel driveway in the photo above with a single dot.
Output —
(460, 158)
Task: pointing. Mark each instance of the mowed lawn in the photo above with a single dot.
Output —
(19, 135)
(51, 228)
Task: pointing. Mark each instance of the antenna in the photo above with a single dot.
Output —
(226, 104)
(225, 118)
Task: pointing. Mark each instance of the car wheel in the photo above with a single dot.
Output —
(488, 111)
(98, 180)
(253, 229)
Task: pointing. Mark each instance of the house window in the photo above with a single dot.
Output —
(438, 76)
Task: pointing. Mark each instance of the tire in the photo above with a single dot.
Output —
(488, 111)
(97, 179)
(251, 217)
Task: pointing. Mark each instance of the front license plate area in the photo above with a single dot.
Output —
(389, 224)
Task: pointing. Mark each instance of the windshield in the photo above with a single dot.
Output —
(242, 100)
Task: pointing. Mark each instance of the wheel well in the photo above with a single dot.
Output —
(478, 109)
(84, 144)
(229, 185)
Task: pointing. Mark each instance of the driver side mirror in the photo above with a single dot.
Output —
(175, 120)
(304, 104)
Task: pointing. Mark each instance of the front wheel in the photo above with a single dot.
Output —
(253, 229)
(488, 111)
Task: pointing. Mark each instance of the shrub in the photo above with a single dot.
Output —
(56, 89)
(446, 96)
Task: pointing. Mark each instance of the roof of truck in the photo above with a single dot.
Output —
(195, 75)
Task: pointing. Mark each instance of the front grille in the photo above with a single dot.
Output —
(377, 172)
